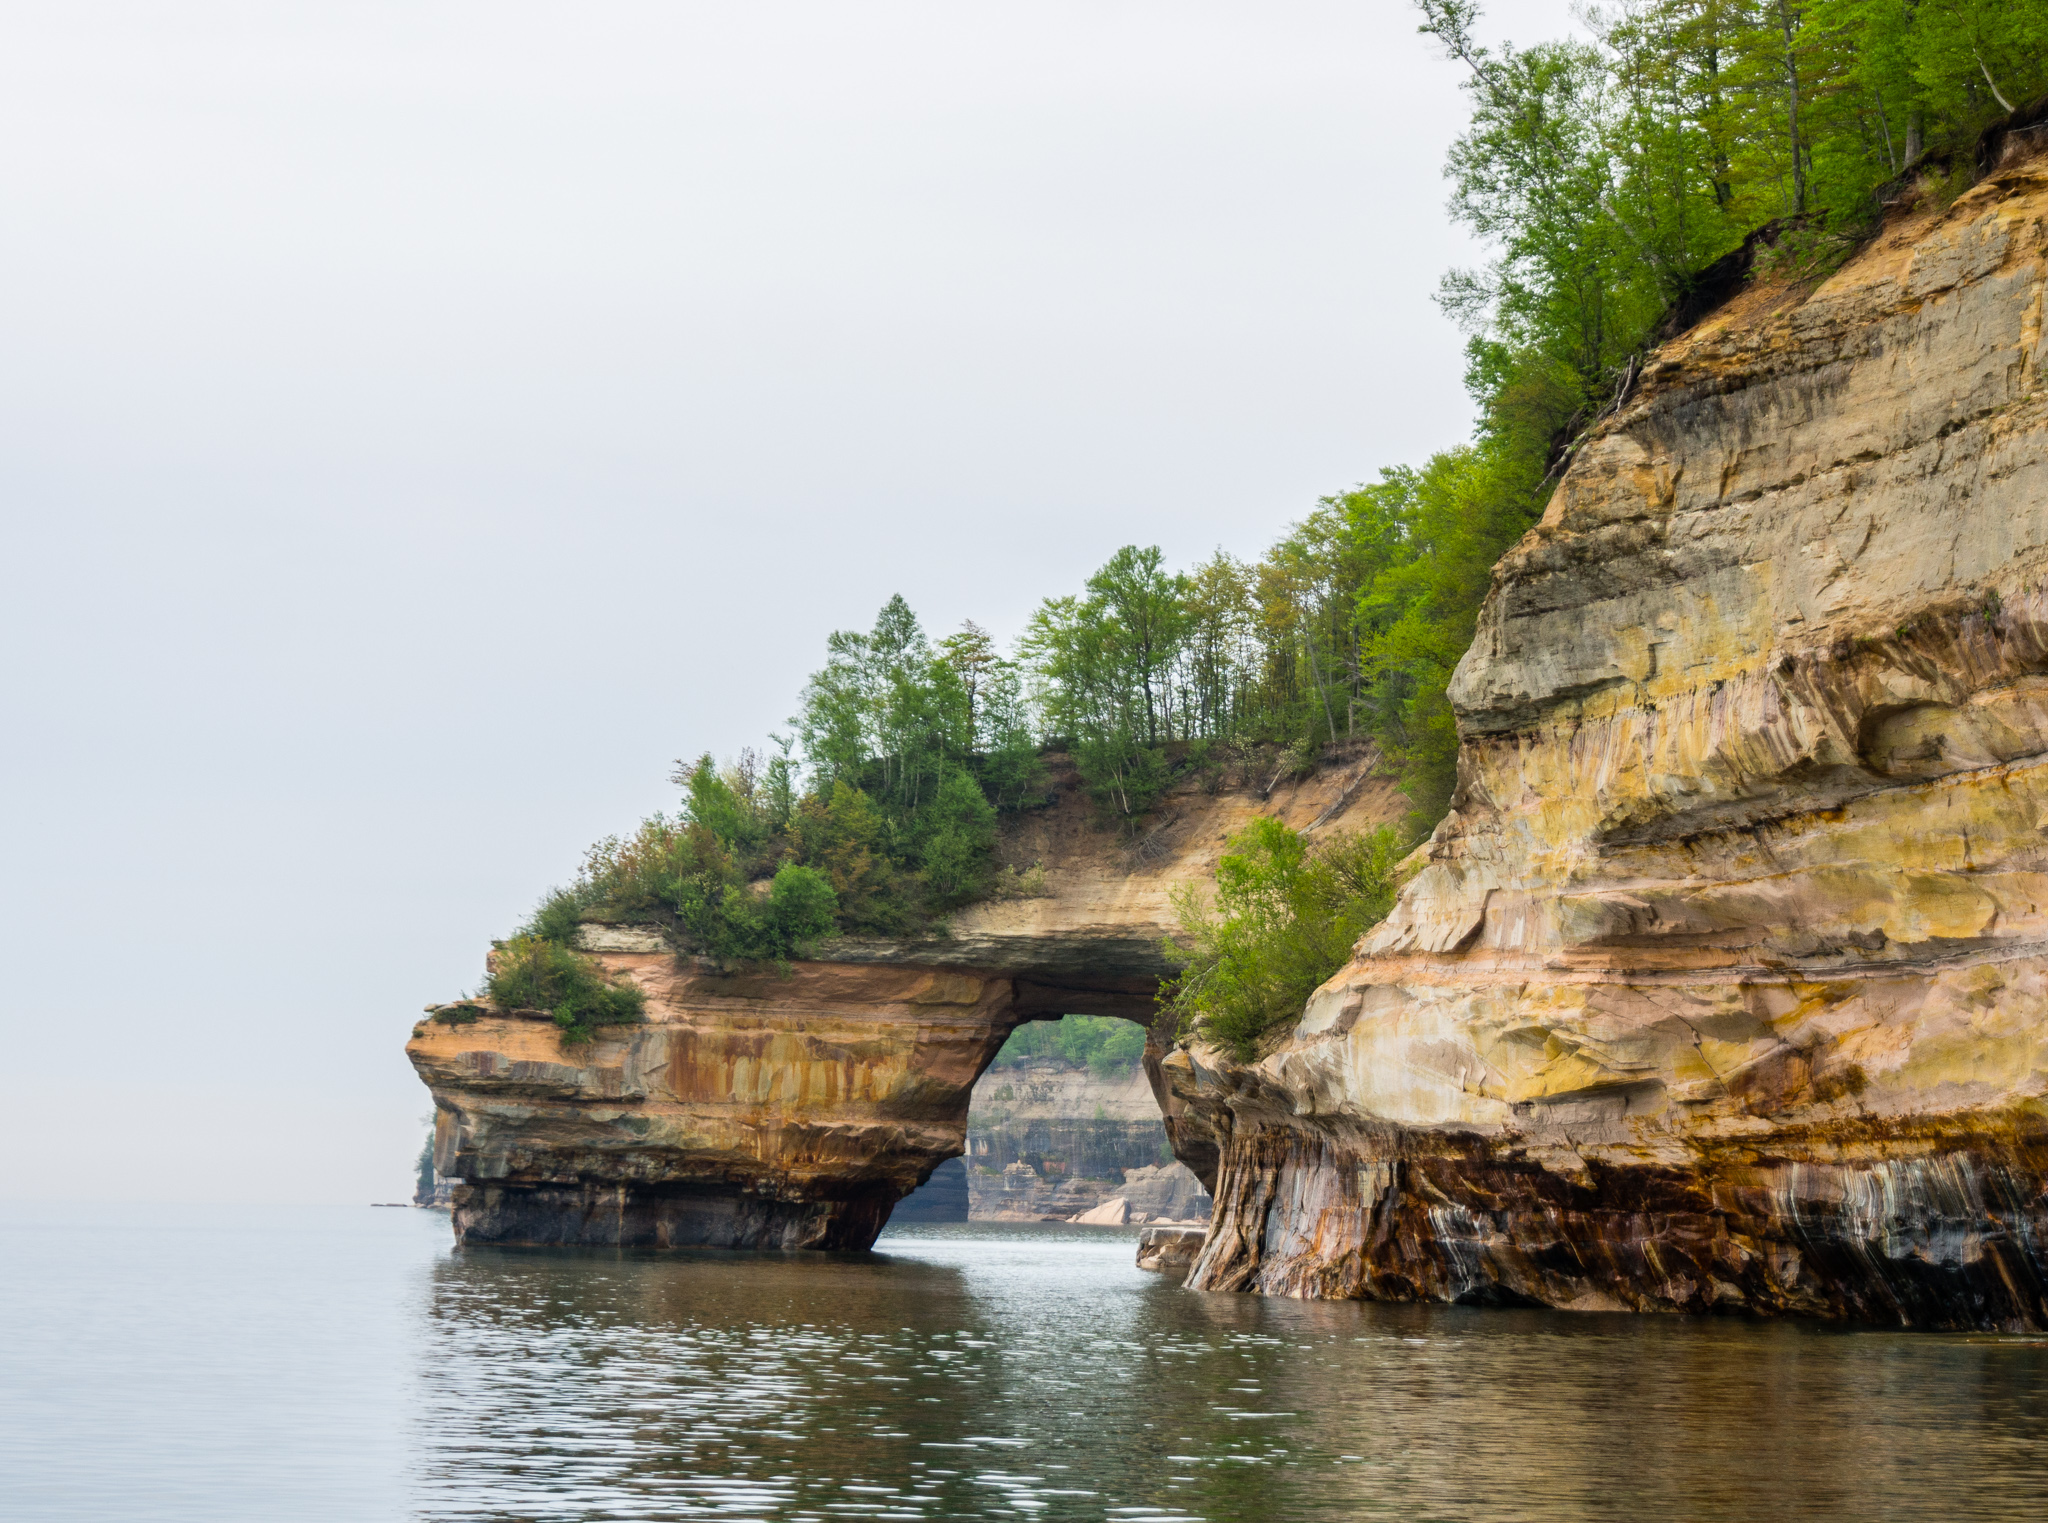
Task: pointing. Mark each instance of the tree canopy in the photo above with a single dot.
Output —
(1605, 174)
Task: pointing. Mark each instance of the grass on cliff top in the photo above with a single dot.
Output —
(1286, 917)
(533, 973)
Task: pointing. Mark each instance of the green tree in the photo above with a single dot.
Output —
(970, 655)
(727, 803)
(731, 920)
(1142, 613)
(1105, 663)
(1108, 1046)
(1223, 652)
(844, 836)
(957, 831)
(1285, 918)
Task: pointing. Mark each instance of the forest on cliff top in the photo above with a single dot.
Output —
(1611, 176)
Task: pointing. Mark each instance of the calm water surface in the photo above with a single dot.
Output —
(330, 1364)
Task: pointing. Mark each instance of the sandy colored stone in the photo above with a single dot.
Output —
(1113, 1212)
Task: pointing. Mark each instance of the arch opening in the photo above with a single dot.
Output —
(1067, 1122)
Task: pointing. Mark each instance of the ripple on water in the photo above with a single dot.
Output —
(794, 1387)
(348, 1370)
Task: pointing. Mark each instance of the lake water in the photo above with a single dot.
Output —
(348, 1364)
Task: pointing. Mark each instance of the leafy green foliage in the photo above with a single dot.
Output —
(1423, 544)
(846, 837)
(730, 920)
(557, 916)
(1606, 174)
(1285, 918)
(1350, 626)
(530, 973)
(953, 844)
(684, 872)
(1106, 665)
(1110, 1047)
(912, 751)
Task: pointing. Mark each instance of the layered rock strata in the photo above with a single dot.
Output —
(750, 1109)
(1725, 983)
(753, 1109)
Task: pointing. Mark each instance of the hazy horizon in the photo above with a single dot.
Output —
(424, 423)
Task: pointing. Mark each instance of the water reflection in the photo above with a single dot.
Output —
(1031, 1372)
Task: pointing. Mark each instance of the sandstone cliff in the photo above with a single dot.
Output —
(765, 1111)
(1723, 985)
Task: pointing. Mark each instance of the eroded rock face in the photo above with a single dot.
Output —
(1723, 985)
(749, 1111)
(752, 1110)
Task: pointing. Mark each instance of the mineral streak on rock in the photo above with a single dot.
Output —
(755, 1110)
(1723, 984)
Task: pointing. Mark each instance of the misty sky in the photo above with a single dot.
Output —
(423, 422)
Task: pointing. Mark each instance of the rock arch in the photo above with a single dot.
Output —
(758, 1110)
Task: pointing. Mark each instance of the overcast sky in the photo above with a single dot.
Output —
(420, 423)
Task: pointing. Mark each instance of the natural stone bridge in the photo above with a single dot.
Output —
(755, 1110)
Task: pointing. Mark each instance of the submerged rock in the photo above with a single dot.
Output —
(1723, 986)
(1170, 1250)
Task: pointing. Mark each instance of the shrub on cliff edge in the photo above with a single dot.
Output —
(1286, 917)
(680, 871)
(532, 973)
